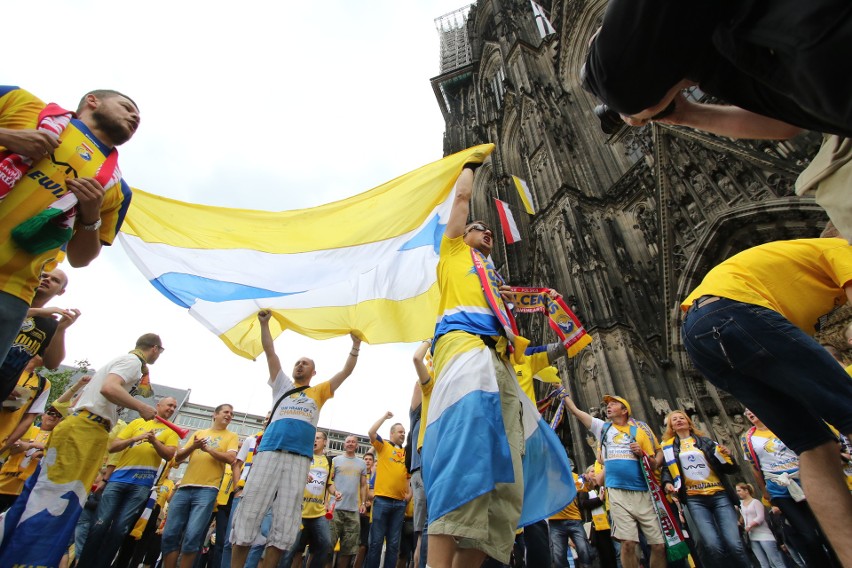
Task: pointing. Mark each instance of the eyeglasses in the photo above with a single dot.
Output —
(477, 227)
(159, 348)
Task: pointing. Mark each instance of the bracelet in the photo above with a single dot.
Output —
(353, 353)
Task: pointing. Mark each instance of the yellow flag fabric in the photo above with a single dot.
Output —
(365, 264)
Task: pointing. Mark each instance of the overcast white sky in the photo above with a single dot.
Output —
(259, 104)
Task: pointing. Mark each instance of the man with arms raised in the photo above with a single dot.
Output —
(392, 493)
(284, 455)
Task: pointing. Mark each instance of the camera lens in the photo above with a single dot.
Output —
(610, 120)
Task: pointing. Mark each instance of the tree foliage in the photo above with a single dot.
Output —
(62, 378)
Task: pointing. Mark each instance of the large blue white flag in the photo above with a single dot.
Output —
(364, 264)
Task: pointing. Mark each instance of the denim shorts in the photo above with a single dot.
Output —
(774, 368)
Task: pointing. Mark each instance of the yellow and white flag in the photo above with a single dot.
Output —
(525, 193)
(364, 264)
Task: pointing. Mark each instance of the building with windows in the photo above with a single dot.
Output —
(626, 222)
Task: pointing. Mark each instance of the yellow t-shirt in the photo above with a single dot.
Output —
(462, 305)
(426, 389)
(698, 478)
(525, 371)
(167, 487)
(809, 285)
(572, 511)
(28, 387)
(139, 463)
(19, 270)
(204, 470)
(313, 503)
(19, 467)
(226, 487)
(391, 475)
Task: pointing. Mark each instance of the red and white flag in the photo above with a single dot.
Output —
(510, 228)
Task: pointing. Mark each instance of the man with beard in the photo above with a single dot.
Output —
(59, 186)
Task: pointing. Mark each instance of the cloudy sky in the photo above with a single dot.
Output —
(260, 105)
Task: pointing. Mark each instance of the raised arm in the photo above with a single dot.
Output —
(337, 380)
(422, 372)
(55, 351)
(374, 429)
(464, 191)
(584, 417)
(268, 345)
(74, 389)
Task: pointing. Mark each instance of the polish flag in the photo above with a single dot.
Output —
(510, 228)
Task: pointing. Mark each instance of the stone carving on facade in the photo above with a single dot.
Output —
(686, 404)
(661, 406)
(721, 433)
(738, 426)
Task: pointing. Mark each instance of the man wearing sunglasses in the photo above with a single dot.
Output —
(59, 186)
(475, 399)
(34, 535)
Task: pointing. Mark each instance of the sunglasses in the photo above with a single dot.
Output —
(477, 227)
(53, 413)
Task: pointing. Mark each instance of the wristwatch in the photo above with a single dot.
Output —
(93, 227)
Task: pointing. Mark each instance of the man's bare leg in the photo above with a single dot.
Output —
(239, 553)
(170, 559)
(271, 556)
(828, 496)
(442, 550)
(658, 556)
(628, 554)
(468, 558)
(343, 560)
(187, 559)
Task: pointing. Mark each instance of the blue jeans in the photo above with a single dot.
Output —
(388, 515)
(560, 531)
(772, 367)
(714, 519)
(190, 511)
(256, 551)
(316, 532)
(13, 312)
(120, 507)
(767, 554)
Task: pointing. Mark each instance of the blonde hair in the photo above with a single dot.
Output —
(670, 433)
(747, 486)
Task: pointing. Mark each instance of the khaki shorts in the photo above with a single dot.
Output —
(631, 511)
(489, 522)
(346, 526)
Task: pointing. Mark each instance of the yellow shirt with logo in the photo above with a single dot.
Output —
(20, 270)
(313, 503)
(138, 464)
(391, 475)
(809, 286)
(204, 470)
(19, 467)
(28, 388)
(525, 372)
(698, 477)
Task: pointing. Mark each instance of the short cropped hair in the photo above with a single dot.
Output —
(149, 340)
(103, 94)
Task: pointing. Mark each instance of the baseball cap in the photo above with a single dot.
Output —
(609, 398)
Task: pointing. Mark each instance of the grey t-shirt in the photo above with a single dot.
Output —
(347, 479)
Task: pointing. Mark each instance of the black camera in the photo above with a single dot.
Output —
(610, 120)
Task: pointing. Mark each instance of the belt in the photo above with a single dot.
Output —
(94, 418)
(488, 340)
(701, 302)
